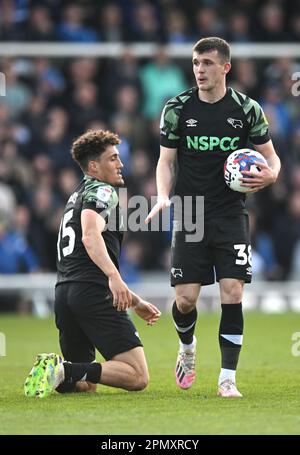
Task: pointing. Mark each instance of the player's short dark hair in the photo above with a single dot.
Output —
(213, 43)
(90, 145)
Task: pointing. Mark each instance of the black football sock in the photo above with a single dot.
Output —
(90, 372)
(185, 324)
(231, 334)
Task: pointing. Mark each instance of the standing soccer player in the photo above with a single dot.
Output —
(199, 129)
(91, 298)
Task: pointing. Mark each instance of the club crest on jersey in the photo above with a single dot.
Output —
(191, 122)
(176, 272)
(235, 122)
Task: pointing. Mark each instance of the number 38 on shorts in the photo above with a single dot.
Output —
(243, 254)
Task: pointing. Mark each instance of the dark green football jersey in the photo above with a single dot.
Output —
(205, 134)
(73, 262)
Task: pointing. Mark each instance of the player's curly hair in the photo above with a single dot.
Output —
(213, 43)
(90, 145)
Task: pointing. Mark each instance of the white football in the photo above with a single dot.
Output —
(237, 162)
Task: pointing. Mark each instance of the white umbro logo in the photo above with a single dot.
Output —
(235, 122)
(191, 122)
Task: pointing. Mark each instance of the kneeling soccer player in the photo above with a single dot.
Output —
(91, 298)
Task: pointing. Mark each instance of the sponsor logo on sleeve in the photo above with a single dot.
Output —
(104, 194)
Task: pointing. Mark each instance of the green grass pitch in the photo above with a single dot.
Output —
(269, 378)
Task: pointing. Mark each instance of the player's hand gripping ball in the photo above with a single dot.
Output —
(239, 161)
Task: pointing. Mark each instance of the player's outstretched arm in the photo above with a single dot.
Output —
(145, 310)
(165, 179)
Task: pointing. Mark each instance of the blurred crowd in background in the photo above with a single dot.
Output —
(170, 21)
(49, 102)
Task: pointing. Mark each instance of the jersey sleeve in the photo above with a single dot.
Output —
(169, 124)
(100, 197)
(259, 126)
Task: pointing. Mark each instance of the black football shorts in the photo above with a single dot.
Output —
(86, 319)
(224, 252)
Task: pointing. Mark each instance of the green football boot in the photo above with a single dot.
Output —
(36, 374)
(46, 374)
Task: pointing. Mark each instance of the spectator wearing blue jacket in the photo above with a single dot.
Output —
(16, 256)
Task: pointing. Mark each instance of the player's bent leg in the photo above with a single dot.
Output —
(185, 317)
(127, 370)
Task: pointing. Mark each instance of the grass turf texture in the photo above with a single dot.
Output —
(268, 378)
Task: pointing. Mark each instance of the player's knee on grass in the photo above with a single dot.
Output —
(140, 383)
